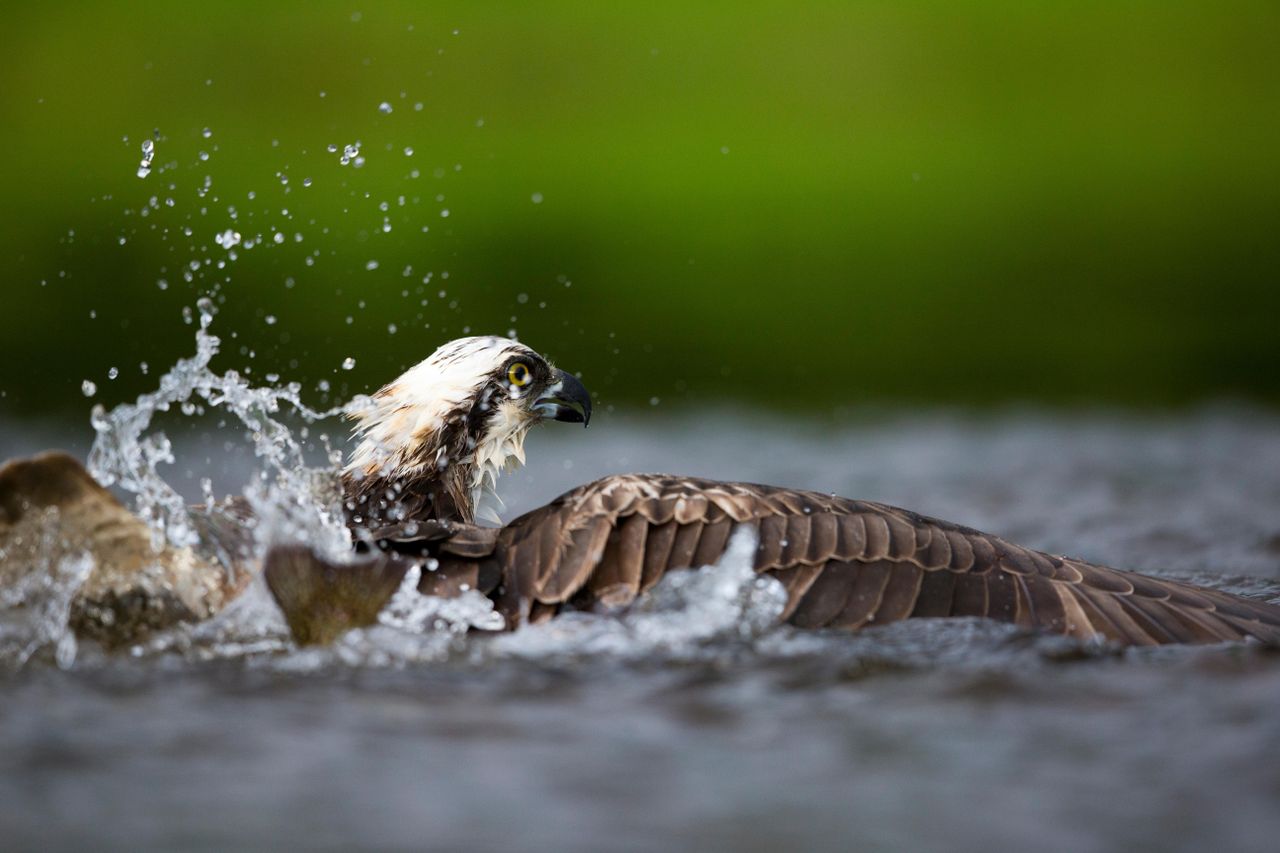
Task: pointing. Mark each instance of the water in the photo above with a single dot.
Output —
(148, 154)
(691, 722)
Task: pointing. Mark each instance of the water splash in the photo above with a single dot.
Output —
(148, 154)
(414, 628)
(250, 627)
(410, 610)
(35, 609)
(351, 154)
(687, 614)
(291, 501)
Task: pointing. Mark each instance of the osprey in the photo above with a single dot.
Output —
(433, 442)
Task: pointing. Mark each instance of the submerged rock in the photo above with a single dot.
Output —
(52, 510)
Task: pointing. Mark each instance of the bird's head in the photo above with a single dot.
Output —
(447, 428)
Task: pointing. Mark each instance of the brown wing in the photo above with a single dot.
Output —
(844, 563)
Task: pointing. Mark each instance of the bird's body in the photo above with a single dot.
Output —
(844, 563)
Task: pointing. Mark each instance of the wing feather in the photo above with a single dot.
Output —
(1076, 622)
(1206, 625)
(1168, 628)
(900, 592)
(867, 593)
(684, 547)
(796, 545)
(1129, 630)
(715, 536)
(579, 559)
(937, 593)
(1243, 609)
(1002, 596)
(843, 563)
(539, 613)
(617, 582)
(772, 531)
(657, 552)
(936, 552)
(852, 539)
(877, 541)
(984, 552)
(1133, 607)
(962, 556)
(823, 527)
(690, 508)
(796, 581)
(1096, 616)
(902, 537)
(970, 596)
(1045, 604)
(826, 596)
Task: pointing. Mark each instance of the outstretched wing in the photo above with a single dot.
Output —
(844, 563)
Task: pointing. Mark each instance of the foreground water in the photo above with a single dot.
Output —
(673, 728)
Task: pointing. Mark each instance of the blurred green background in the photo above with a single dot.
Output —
(803, 205)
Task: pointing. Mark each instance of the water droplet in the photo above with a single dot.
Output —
(391, 329)
(206, 133)
(113, 372)
(278, 238)
(348, 363)
(384, 108)
(148, 154)
(88, 388)
(271, 319)
(351, 152)
(445, 213)
(227, 239)
(371, 265)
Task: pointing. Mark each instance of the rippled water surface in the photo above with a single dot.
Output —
(672, 727)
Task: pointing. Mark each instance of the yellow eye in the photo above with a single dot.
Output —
(518, 374)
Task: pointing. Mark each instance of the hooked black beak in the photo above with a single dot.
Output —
(566, 399)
